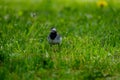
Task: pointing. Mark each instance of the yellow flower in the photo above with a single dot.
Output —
(102, 3)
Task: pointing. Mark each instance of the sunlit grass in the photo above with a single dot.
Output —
(89, 50)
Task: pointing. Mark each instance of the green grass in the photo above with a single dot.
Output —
(90, 49)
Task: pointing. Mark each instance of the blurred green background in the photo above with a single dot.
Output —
(90, 49)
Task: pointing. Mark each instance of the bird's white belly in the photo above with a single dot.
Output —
(55, 41)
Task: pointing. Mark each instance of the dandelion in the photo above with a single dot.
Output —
(7, 17)
(33, 15)
(102, 3)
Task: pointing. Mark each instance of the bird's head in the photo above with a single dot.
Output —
(53, 30)
(53, 33)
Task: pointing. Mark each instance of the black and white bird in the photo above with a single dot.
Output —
(54, 37)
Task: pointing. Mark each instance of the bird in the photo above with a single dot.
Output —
(53, 37)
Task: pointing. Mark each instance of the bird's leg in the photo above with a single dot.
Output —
(50, 45)
(59, 46)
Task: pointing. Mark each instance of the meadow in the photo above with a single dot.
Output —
(90, 48)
